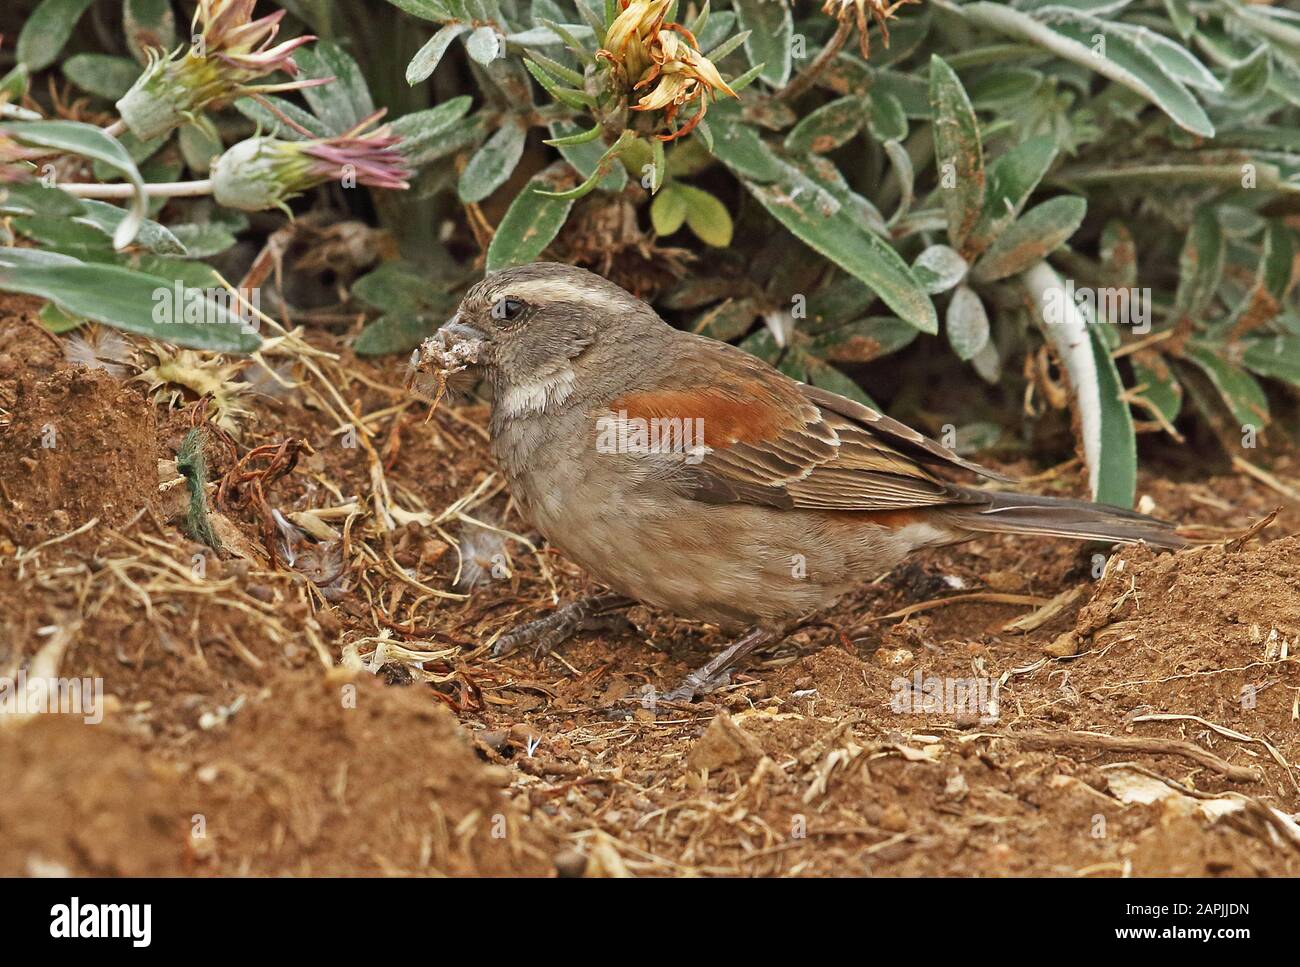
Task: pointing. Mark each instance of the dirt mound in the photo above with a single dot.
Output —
(314, 775)
(80, 445)
(82, 801)
(1212, 633)
(336, 775)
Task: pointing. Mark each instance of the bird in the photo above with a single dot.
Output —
(687, 475)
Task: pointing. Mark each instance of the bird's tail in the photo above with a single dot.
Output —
(1011, 513)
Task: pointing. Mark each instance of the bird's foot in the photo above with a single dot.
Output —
(717, 673)
(597, 613)
(696, 685)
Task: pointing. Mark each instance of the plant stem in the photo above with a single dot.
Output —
(1067, 331)
(161, 189)
(116, 128)
(810, 73)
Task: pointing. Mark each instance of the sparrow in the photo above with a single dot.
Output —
(687, 475)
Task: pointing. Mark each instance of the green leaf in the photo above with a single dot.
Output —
(397, 287)
(345, 102)
(90, 142)
(830, 378)
(1123, 61)
(1181, 16)
(1173, 58)
(1277, 357)
(1034, 236)
(572, 97)
(1117, 476)
(887, 119)
(485, 45)
(586, 158)
(1248, 80)
(822, 223)
(958, 152)
(420, 127)
(1012, 178)
(108, 218)
(426, 59)
(200, 144)
(431, 10)
(393, 334)
(122, 298)
(1243, 395)
(967, 323)
(493, 163)
(204, 240)
(771, 27)
(56, 320)
(707, 217)
(863, 340)
(271, 123)
(34, 198)
(739, 147)
(529, 225)
(14, 84)
(1162, 388)
(728, 320)
(101, 74)
(1200, 265)
(46, 30)
(148, 25)
(668, 210)
(901, 162)
(593, 133)
(939, 268)
(828, 127)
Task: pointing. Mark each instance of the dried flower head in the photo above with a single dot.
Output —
(230, 51)
(662, 60)
(879, 10)
(265, 172)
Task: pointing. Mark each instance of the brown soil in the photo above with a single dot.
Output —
(341, 715)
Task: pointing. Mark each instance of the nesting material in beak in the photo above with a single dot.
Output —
(452, 349)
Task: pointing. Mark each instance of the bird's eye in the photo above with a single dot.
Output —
(508, 309)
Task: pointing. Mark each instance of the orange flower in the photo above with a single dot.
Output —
(647, 53)
(880, 11)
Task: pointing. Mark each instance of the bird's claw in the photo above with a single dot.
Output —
(546, 634)
(695, 686)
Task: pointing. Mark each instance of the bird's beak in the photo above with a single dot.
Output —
(453, 331)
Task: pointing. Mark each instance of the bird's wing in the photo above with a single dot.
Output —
(767, 439)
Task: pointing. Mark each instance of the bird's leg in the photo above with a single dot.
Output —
(718, 671)
(588, 614)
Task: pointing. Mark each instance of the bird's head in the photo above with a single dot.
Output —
(525, 328)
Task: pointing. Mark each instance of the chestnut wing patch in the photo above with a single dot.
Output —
(772, 446)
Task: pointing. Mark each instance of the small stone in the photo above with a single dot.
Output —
(724, 743)
(570, 863)
(894, 818)
(1065, 645)
(894, 657)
